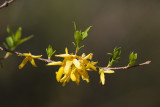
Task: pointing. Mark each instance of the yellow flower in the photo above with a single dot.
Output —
(73, 67)
(102, 76)
(28, 57)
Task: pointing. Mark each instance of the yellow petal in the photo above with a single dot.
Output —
(89, 56)
(73, 76)
(33, 56)
(30, 55)
(32, 62)
(77, 77)
(89, 65)
(102, 78)
(66, 50)
(68, 78)
(59, 73)
(77, 64)
(94, 63)
(83, 55)
(65, 55)
(67, 66)
(23, 63)
(84, 75)
(55, 63)
(63, 78)
(109, 71)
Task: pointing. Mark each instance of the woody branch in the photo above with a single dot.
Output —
(6, 3)
(48, 61)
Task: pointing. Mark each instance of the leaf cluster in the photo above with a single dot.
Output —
(14, 39)
(132, 58)
(50, 51)
(80, 36)
(114, 57)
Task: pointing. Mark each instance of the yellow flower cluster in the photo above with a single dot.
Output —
(73, 67)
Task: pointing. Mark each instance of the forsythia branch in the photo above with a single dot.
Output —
(6, 3)
(18, 53)
(126, 67)
(49, 61)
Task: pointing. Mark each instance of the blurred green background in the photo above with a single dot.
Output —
(132, 24)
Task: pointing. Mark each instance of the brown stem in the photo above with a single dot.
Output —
(48, 61)
(126, 67)
(6, 3)
(18, 53)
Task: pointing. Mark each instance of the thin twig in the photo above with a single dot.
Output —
(6, 3)
(126, 67)
(48, 61)
(18, 53)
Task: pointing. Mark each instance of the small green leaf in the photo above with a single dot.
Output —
(85, 33)
(5, 45)
(109, 53)
(75, 27)
(10, 41)
(50, 51)
(132, 59)
(74, 44)
(78, 37)
(24, 40)
(18, 34)
(114, 57)
(9, 31)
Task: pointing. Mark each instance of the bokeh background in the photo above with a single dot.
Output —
(132, 24)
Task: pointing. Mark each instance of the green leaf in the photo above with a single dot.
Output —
(5, 45)
(132, 59)
(114, 57)
(50, 51)
(18, 34)
(74, 44)
(24, 40)
(75, 27)
(10, 41)
(85, 33)
(9, 31)
(78, 37)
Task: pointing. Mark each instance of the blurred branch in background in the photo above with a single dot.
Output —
(6, 3)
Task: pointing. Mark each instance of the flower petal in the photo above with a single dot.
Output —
(77, 64)
(89, 65)
(77, 77)
(73, 76)
(109, 71)
(55, 63)
(67, 67)
(66, 50)
(65, 55)
(33, 56)
(32, 62)
(59, 73)
(102, 78)
(23, 63)
(89, 56)
(84, 75)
